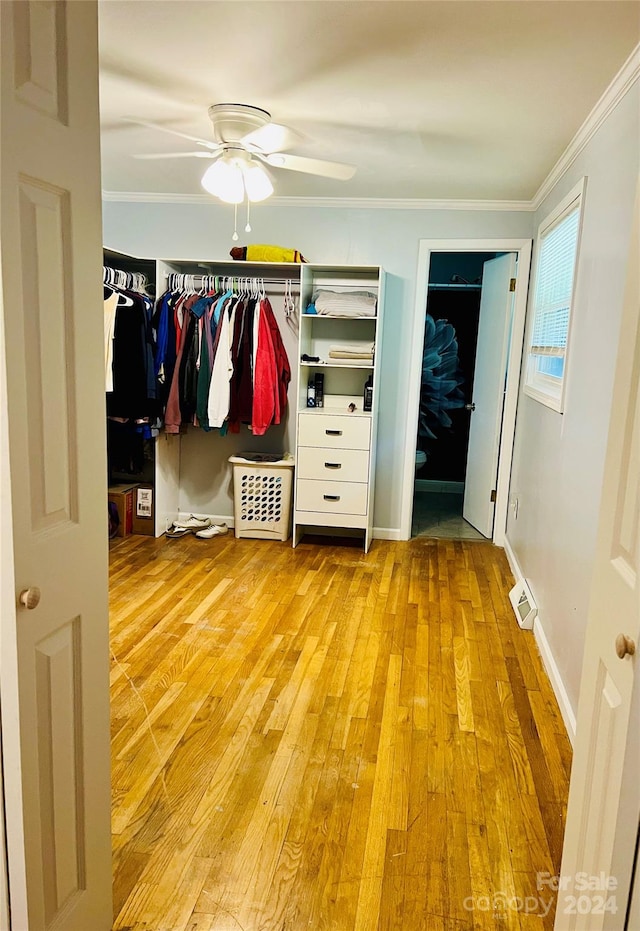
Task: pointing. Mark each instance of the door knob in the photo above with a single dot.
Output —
(624, 646)
(470, 407)
(30, 598)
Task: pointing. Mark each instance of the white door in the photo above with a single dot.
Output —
(604, 793)
(489, 383)
(54, 675)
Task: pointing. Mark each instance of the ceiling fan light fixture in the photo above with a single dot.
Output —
(257, 182)
(235, 176)
(224, 180)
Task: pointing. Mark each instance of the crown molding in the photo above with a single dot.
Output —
(612, 96)
(399, 203)
(348, 203)
(610, 99)
(151, 197)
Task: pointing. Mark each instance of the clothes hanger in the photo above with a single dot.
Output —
(124, 300)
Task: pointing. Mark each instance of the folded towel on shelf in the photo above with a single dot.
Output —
(353, 346)
(345, 303)
(354, 350)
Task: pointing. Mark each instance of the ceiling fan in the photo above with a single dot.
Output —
(244, 137)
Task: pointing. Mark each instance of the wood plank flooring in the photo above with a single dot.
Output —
(318, 739)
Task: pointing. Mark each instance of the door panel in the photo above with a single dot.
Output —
(48, 361)
(489, 382)
(50, 242)
(604, 796)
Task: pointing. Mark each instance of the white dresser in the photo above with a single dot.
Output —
(336, 443)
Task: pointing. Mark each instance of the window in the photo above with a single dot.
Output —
(550, 314)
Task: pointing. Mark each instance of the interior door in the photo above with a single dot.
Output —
(496, 303)
(604, 793)
(54, 676)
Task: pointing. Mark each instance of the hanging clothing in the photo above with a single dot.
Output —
(133, 392)
(219, 389)
(110, 305)
(218, 339)
(241, 387)
(184, 333)
(272, 372)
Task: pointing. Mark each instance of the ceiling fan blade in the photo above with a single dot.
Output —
(152, 155)
(311, 166)
(172, 132)
(274, 137)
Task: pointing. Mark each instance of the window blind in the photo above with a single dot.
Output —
(554, 285)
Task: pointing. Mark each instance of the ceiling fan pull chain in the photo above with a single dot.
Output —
(235, 223)
(247, 228)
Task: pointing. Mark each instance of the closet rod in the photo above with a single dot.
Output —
(465, 286)
(238, 279)
(118, 278)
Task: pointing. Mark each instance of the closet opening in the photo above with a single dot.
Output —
(452, 316)
(170, 447)
(468, 333)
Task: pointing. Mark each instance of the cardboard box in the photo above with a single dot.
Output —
(123, 498)
(144, 511)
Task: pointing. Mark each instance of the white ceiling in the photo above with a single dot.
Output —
(454, 99)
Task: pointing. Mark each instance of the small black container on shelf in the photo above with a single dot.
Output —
(311, 393)
(319, 384)
(367, 402)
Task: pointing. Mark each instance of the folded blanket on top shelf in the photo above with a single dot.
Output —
(345, 303)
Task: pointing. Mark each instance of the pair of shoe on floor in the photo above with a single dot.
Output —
(201, 526)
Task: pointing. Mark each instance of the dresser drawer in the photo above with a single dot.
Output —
(331, 497)
(344, 465)
(334, 432)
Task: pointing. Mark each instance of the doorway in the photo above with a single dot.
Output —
(438, 262)
(452, 315)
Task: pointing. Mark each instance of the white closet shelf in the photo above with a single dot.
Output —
(306, 316)
(336, 365)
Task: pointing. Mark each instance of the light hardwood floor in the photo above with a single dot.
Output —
(318, 739)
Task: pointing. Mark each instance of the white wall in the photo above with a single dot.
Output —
(332, 235)
(559, 458)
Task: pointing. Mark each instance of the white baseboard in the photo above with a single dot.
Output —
(551, 668)
(548, 659)
(214, 518)
(379, 533)
(512, 559)
(387, 533)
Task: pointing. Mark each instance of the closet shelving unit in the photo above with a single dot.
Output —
(355, 442)
(336, 443)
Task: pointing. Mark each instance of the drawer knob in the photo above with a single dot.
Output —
(333, 465)
(331, 497)
(333, 432)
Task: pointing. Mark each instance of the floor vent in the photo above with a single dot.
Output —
(524, 606)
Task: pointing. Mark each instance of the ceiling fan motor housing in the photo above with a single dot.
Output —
(233, 121)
